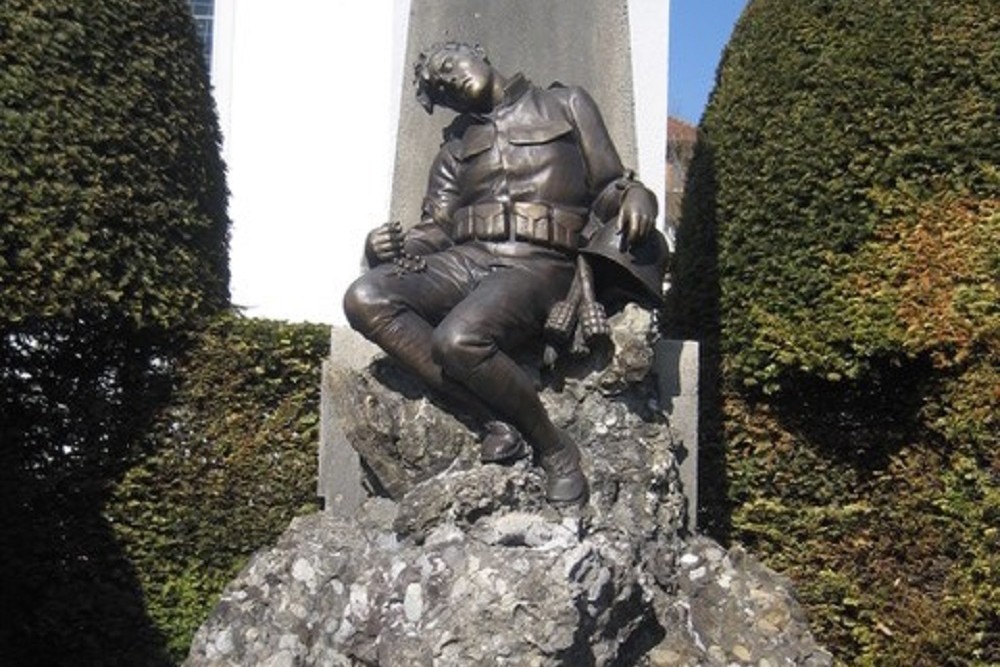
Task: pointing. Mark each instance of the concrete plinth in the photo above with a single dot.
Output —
(339, 483)
(676, 367)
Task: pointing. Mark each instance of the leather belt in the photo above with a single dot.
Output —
(533, 222)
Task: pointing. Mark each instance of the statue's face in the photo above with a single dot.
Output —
(464, 81)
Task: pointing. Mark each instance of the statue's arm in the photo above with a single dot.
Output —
(433, 232)
(617, 193)
(389, 241)
(600, 156)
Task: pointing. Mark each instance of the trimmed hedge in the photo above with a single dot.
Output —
(112, 191)
(839, 254)
(113, 246)
(233, 461)
(859, 106)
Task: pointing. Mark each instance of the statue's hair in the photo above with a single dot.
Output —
(427, 92)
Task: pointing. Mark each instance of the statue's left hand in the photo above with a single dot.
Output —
(637, 216)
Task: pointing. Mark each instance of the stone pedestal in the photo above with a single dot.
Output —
(676, 368)
(456, 563)
(339, 483)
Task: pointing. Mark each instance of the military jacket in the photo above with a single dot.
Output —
(546, 146)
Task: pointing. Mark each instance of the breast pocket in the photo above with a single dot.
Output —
(545, 164)
(539, 133)
(476, 140)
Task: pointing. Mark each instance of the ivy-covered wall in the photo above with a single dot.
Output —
(839, 254)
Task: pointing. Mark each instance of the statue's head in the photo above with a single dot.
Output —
(455, 75)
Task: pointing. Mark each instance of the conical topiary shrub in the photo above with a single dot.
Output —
(840, 256)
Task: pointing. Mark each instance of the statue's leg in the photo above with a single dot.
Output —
(507, 309)
(398, 312)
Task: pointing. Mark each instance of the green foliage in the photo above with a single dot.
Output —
(848, 187)
(233, 460)
(112, 192)
(927, 285)
(897, 560)
(857, 101)
(113, 246)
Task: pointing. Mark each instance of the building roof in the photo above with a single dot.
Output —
(680, 130)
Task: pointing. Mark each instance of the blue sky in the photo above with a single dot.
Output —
(699, 29)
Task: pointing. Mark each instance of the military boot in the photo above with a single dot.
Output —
(565, 482)
(502, 444)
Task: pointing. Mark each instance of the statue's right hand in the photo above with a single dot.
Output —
(385, 242)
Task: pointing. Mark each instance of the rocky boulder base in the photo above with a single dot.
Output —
(459, 563)
(731, 610)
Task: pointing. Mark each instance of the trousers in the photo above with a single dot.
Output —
(459, 319)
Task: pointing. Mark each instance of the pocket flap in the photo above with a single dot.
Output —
(477, 139)
(540, 133)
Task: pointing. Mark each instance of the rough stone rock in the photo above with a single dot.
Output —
(466, 564)
(519, 589)
(732, 610)
(402, 435)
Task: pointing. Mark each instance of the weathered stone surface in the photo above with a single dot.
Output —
(730, 609)
(519, 589)
(402, 436)
(466, 564)
(515, 588)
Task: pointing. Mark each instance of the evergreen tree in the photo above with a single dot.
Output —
(113, 245)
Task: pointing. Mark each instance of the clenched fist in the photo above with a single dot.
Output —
(384, 243)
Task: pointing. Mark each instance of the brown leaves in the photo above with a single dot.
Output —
(939, 265)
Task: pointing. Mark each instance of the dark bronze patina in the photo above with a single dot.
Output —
(527, 175)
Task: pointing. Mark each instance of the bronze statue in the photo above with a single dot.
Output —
(525, 176)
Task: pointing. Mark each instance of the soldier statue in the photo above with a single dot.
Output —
(525, 176)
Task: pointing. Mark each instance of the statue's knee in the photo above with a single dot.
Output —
(458, 351)
(364, 302)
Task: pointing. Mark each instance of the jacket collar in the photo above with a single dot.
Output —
(513, 90)
(516, 86)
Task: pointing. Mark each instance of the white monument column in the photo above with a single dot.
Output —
(649, 25)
